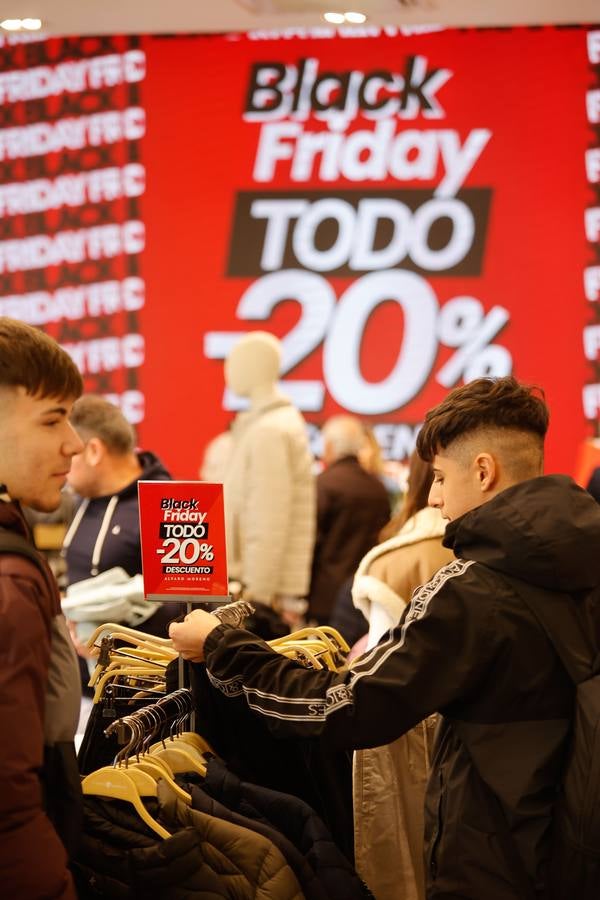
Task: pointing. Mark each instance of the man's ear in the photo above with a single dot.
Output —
(95, 451)
(487, 471)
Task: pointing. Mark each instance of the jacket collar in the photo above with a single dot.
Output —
(349, 459)
(11, 516)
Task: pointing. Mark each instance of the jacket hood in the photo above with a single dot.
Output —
(426, 524)
(545, 531)
(152, 470)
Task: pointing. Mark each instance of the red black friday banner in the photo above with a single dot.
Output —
(405, 211)
(182, 531)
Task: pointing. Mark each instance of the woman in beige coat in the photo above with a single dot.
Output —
(389, 781)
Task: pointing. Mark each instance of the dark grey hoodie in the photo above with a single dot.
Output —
(106, 530)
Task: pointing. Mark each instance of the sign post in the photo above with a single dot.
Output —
(182, 532)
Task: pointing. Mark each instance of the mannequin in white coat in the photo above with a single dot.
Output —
(252, 368)
(269, 485)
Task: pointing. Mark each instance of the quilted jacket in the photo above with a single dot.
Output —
(205, 858)
(270, 503)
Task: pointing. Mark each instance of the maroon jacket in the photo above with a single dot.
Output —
(352, 507)
(39, 708)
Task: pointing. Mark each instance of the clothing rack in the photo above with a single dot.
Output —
(155, 722)
(135, 671)
(165, 780)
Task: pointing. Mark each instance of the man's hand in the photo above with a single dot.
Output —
(188, 636)
(82, 649)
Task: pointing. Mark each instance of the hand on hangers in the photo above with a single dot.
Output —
(81, 648)
(188, 636)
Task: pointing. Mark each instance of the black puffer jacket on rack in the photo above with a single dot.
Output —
(308, 769)
(309, 882)
(205, 858)
(297, 821)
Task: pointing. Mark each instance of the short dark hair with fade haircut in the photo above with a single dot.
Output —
(93, 416)
(486, 403)
(33, 360)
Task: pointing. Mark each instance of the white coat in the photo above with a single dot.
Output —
(270, 503)
(389, 782)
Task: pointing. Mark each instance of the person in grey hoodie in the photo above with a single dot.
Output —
(105, 532)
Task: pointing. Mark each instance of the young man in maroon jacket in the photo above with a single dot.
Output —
(39, 677)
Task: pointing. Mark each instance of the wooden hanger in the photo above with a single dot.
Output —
(300, 654)
(118, 784)
(158, 769)
(334, 634)
(154, 768)
(307, 632)
(111, 627)
(191, 741)
(167, 652)
(321, 650)
(120, 667)
(121, 658)
(180, 761)
(140, 672)
(195, 740)
(156, 657)
(176, 742)
(324, 641)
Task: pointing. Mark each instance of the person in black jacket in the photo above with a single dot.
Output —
(352, 507)
(467, 647)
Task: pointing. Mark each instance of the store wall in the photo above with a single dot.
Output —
(406, 211)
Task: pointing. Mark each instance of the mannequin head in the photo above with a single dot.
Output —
(252, 367)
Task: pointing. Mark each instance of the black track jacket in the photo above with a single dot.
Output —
(468, 648)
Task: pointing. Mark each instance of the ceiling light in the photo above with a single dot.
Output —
(334, 18)
(20, 24)
(355, 18)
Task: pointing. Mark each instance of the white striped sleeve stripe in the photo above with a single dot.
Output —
(310, 709)
(416, 610)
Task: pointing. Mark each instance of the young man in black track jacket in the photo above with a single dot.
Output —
(467, 647)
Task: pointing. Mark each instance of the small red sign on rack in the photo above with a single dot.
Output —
(182, 528)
